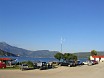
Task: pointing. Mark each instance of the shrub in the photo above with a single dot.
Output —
(29, 63)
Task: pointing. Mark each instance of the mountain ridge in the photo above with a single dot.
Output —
(4, 53)
(27, 53)
(39, 53)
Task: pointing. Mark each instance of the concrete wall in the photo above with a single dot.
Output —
(97, 59)
(91, 58)
(102, 60)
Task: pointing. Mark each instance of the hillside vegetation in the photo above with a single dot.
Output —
(4, 53)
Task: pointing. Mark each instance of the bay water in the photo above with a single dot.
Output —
(21, 59)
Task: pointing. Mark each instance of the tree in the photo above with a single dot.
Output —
(58, 56)
(93, 52)
(66, 56)
(74, 57)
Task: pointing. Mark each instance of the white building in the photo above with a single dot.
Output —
(97, 58)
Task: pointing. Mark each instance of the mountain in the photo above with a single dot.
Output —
(82, 54)
(39, 53)
(87, 54)
(27, 53)
(43, 53)
(4, 53)
(12, 49)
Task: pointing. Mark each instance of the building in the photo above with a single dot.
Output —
(6, 60)
(97, 58)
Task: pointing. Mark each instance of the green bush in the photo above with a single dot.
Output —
(29, 63)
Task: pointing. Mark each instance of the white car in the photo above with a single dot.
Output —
(85, 63)
(24, 67)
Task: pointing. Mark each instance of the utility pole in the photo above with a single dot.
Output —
(61, 44)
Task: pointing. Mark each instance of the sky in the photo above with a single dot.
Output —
(40, 24)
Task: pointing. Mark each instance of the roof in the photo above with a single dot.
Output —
(5, 59)
(98, 56)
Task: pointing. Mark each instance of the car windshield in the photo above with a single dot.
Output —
(72, 61)
(25, 65)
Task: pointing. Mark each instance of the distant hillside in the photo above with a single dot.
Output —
(27, 53)
(43, 53)
(12, 49)
(87, 54)
(4, 53)
(40, 53)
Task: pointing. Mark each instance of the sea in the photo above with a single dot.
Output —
(21, 59)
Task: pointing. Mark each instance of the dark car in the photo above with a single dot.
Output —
(63, 64)
(72, 63)
(35, 65)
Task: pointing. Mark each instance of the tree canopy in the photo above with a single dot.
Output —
(93, 52)
(65, 56)
(58, 56)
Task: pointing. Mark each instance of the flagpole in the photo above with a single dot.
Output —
(61, 44)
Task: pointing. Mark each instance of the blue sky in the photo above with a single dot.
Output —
(40, 24)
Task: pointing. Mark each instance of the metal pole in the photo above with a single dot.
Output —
(61, 47)
(61, 44)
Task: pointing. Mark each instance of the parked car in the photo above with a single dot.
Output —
(94, 62)
(24, 67)
(42, 65)
(53, 64)
(85, 63)
(90, 63)
(80, 63)
(2, 65)
(35, 65)
(72, 63)
(49, 66)
(63, 64)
